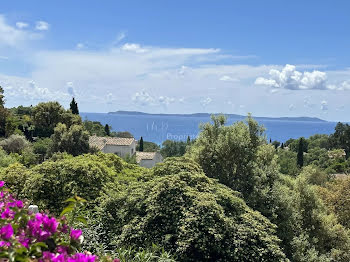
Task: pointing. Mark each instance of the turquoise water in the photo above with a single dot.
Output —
(159, 128)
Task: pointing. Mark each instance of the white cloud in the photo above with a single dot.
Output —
(143, 98)
(79, 46)
(324, 105)
(133, 48)
(206, 101)
(290, 78)
(42, 26)
(291, 107)
(21, 25)
(227, 78)
(14, 37)
(164, 100)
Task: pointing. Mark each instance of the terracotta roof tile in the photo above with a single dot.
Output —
(101, 142)
(144, 156)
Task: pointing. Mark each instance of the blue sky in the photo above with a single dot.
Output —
(271, 58)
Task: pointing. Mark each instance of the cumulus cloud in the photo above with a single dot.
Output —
(143, 98)
(164, 100)
(324, 105)
(12, 36)
(206, 101)
(290, 78)
(21, 25)
(227, 78)
(42, 26)
(133, 48)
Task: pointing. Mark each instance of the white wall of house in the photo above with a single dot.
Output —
(121, 151)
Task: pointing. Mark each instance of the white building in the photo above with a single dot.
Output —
(148, 159)
(116, 145)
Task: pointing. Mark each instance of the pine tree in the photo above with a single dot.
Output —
(74, 107)
(141, 145)
(107, 130)
(300, 156)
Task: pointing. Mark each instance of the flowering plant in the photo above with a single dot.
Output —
(26, 236)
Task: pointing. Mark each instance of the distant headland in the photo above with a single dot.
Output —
(136, 113)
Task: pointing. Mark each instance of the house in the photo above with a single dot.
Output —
(148, 159)
(116, 145)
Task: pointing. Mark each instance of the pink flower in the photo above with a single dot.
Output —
(6, 232)
(62, 249)
(116, 260)
(4, 243)
(75, 234)
(7, 213)
(80, 257)
(2, 183)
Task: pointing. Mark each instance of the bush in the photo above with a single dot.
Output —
(14, 144)
(54, 181)
(175, 165)
(37, 237)
(15, 176)
(190, 215)
(5, 159)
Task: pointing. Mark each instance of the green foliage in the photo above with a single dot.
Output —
(107, 130)
(124, 134)
(341, 137)
(14, 144)
(232, 154)
(175, 165)
(141, 145)
(41, 148)
(15, 176)
(305, 226)
(74, 141)
(191, 216)
(172, 148)
(85, 176)
(287, 161)
(300, 155)
(94, 128)
(46, 116)
(148, 147)
(151, 254)
(74, 107)
(276, 144)
(5, 159)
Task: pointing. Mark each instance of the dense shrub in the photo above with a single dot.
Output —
(191, 216)
(5, 159)
(175, 165)
(14, 144)
(15, 176)
(54, 181)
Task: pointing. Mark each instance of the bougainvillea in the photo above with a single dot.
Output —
(25, 236)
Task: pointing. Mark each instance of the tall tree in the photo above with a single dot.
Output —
(3, 113)
(74, 107)
(188, 140)
(300, 156)
(107, 130)
(141, 144)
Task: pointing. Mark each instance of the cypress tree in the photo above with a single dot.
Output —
(188, 140)
(107, 130)
(270, 141)
(141, 145)
(282, 146)
(74, 107)
(300, 156)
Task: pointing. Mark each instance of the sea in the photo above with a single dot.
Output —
(158, 128)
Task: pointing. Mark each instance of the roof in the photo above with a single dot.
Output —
(144, 156)
(100, 142)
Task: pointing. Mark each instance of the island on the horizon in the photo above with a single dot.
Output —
(303, 118)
